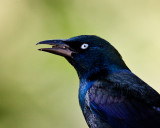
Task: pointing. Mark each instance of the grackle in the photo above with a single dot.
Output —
(110, 95)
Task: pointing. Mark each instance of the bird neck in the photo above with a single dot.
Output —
(98, 73)
(88, 77)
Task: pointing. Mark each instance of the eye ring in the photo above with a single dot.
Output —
(84, 46)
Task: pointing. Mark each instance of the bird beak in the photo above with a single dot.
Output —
(59, 47)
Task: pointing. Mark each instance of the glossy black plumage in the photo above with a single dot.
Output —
(110, 95)
(125, 102)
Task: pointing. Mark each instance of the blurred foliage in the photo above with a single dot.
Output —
(40, 90)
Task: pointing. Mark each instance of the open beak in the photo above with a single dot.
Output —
(59, 47)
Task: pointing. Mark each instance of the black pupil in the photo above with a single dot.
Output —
(84, 45)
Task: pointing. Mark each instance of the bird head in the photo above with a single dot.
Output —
(87, 53)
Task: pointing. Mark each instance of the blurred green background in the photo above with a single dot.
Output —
(40, 90)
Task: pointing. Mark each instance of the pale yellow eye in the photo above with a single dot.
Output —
(84, 46)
